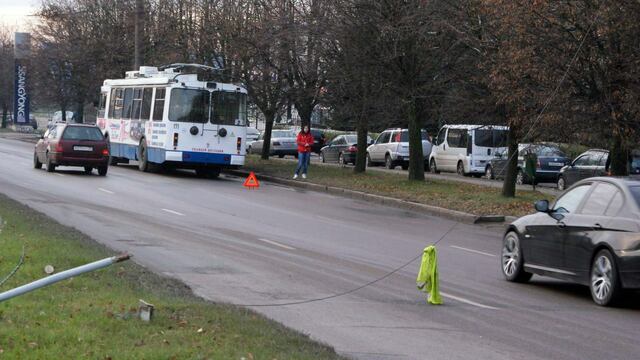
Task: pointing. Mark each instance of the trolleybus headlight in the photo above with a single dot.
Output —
(222, 132)
(194, 130)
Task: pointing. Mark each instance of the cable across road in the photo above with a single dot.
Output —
(353, 290)
(15, 269)
(388, 274)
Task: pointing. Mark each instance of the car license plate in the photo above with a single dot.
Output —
(556, 164)
(83, 148)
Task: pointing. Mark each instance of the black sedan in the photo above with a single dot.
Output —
(550, 160)
(588, 164)
(342, 148)
(590, 235)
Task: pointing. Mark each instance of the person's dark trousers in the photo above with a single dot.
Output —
(303, 162)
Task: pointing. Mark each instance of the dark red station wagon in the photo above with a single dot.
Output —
(73, 145)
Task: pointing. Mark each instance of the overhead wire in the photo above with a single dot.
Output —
(404, 265)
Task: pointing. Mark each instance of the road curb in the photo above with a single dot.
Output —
(379, 199)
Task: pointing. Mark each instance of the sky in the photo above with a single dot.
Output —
(14, 13)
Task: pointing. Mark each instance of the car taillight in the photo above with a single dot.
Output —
(239, 144)
(175, 140)
(59, 147)
(352, 149)
(105, 152)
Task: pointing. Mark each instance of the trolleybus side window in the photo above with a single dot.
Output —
(158, 107)
(146, 103)
(128, 97)
(189, 105)
(115, 109)
(137, 104)
(229, 108)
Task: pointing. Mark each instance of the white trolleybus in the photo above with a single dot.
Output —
(168, 117)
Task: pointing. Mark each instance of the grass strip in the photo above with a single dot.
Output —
(470, 198)
(94, 315)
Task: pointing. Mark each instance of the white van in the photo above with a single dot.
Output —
(467, 149)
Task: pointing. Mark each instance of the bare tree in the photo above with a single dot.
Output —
(6, 72)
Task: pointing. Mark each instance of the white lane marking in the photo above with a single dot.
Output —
(59, 174)
(463, 300)
(173, 212)
(106, 191)
(277, 244)
(473, 251)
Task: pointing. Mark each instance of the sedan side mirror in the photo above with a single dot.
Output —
(542, 206)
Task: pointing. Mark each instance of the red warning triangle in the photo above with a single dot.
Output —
(252, 181)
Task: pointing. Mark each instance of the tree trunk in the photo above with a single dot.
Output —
(618, 157)
(416, 155)
(4, 116)
(509, 185)
(361, 155)
(266, 143)
(305, 111)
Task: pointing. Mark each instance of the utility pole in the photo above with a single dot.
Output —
(139, 29)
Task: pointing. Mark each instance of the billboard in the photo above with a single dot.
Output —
(21, 98)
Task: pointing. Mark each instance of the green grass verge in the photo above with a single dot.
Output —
(93, 315)
(475, 199)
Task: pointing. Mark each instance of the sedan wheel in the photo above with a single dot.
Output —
(432, 167)
(36, 162)
(49, 165)
(604, 285)
(520, 178)
(341, 160)
(460, 169)
(512, 260)
(561, 183)
(488, 173)
(389, 163)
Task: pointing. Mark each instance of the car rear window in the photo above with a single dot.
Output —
(82, 133)
(491, 138)
(635, 191)
(404, 136)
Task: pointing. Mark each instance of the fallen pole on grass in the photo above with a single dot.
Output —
(62, 276)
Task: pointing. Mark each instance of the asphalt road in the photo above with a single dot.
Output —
(279, 244)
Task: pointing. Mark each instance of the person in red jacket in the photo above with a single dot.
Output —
(304, 140)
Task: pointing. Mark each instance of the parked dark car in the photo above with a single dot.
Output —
(590, 235)
(72, 145)
(634, 163)
(550, 159)
(318, 140)
(588, 164)
(343, 149)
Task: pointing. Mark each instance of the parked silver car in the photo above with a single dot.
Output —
(253, 134)
(283, 142)
(392, 149)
